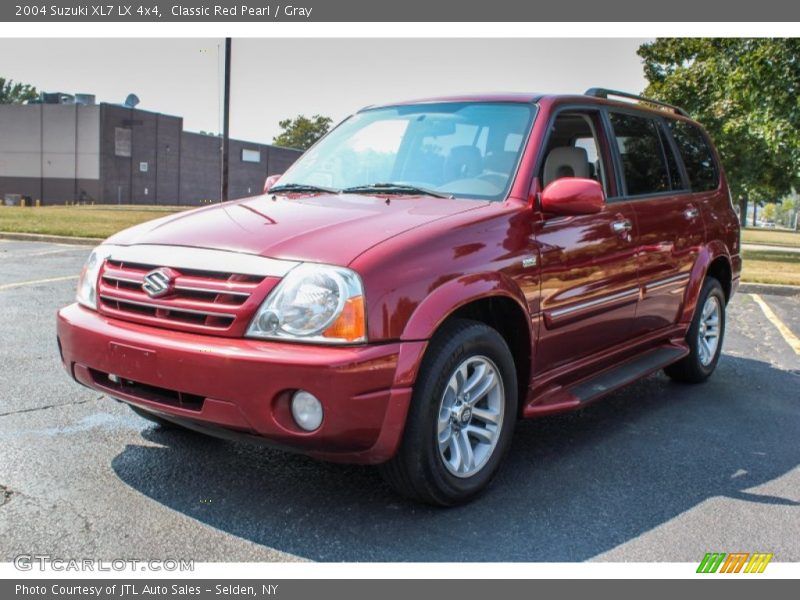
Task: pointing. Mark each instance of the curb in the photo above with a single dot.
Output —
(769, 288)
(53, 239)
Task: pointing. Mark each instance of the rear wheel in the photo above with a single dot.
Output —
(461, 418)
(704, 337)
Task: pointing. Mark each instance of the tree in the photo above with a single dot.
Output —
(746, 93)
(16, 93)
(769, 213)
(301, 132)
(786, 211)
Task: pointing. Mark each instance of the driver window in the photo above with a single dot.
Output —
(573, 150)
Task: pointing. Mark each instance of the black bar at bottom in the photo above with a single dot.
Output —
(463, 589)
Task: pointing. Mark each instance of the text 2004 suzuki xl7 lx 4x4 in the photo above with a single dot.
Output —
(422, 277)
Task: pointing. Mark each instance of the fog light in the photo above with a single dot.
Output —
(306, 410)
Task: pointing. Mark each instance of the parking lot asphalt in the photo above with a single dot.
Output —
(656, 472)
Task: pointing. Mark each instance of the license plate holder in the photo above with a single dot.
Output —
(130, 361)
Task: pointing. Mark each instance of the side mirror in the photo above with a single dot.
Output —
(270, 181)
(573, 196)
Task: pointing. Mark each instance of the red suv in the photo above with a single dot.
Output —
(425, 275)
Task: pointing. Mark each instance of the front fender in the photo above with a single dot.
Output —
(456, 293)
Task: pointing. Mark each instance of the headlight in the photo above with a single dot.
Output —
(313, 303)
(87, 282)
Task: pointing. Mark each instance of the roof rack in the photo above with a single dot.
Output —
(604, 93)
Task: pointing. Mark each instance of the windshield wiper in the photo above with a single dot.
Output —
(393, 188)
(301, 187)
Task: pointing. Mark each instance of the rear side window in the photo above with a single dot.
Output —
(697, 157)
(675, 178)
(644, 161)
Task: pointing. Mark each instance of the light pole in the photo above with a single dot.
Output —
(226, 109)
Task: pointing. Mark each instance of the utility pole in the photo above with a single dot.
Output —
(226, 116)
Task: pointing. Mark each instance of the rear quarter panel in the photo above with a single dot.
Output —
(722, 239)
(723, 229)
(722, 224)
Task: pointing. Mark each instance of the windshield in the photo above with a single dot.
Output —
(467, 150)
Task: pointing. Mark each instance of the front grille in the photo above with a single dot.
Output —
(147, 392)
(207, 302)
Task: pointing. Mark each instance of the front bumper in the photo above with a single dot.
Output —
(240, 386)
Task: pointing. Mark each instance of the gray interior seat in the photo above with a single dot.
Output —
(567, 161)
(463, 162)
(500, 162)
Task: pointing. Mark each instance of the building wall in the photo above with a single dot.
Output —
(201, 167)
(247, 178)
(49, 152)
(146, 170)
(167, 161)
(110, 154)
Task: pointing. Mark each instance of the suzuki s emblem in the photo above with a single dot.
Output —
(159, 282)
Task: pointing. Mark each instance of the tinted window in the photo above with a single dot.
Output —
(696, 156)
(642, 153)
(675, 179)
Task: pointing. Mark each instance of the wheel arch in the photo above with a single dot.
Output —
(491, 299)
(720, 269)
(713, 260)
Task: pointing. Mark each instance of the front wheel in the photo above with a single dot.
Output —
(704, 336)
(461, 418)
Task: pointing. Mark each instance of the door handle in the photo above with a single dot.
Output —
(623, 226)
(691, 213)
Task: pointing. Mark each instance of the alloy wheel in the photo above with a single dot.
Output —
(470, 416)
(708, 330)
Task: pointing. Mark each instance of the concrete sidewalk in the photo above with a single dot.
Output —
(768, 248)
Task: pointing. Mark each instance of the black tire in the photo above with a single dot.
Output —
(417, 471)
(691, 369)
(162, 423)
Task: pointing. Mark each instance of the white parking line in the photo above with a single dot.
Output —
(10, 286)
(787, 333)
(44, 252)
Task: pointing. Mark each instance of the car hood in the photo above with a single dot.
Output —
(326, 228)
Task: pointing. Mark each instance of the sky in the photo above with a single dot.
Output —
(274, 79)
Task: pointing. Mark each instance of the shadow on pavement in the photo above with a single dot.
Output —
(574, 485)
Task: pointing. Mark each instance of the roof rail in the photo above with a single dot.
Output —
(604, 93)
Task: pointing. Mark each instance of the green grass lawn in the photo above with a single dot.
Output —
(78, 221)
(762, 266)
(771, 237)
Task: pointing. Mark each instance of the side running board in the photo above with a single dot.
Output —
(612, 379)
(605, 382)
